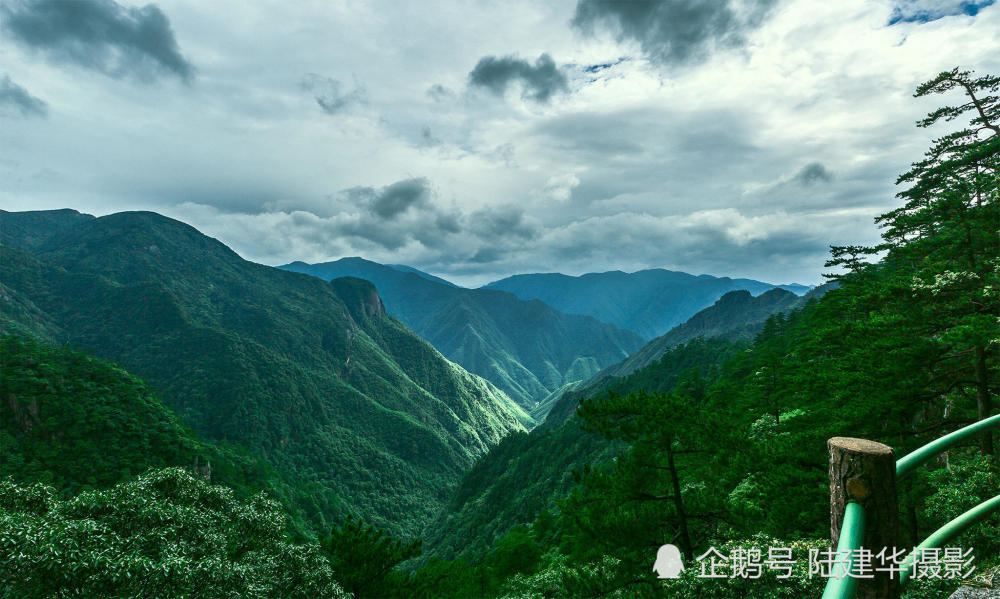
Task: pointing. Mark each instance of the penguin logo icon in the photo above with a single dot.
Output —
(668, 562)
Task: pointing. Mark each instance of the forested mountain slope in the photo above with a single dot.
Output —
(79, 423)
(313, 377)
(528, 473)
(526, 348)
(736, 316)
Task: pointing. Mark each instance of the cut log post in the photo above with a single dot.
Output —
(864, 472)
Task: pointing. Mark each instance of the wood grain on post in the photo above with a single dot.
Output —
(864, 472)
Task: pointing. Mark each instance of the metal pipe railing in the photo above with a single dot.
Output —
(852, 529)
(925, 453)
(948, 532)
(851, 538)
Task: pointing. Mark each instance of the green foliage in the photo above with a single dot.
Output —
(166, 534)
(520, 478)
(365, 560)
(967, 481)
(79, 423)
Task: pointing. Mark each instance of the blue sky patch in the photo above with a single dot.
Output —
(924, 11)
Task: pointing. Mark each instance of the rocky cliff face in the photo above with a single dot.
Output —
(361, 296)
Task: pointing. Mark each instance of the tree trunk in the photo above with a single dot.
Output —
(864, 472)
(679, 506)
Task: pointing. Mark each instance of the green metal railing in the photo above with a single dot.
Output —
(851, 536)
(925, 453)
(852, 529)
(949, 531)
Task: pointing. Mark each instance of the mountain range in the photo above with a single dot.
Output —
(737, 316)
(314, 378)
(527, 473)
(649, 302)
(346, 407)
(524, 347)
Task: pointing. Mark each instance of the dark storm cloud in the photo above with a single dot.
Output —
(925, 11)
(813, 173)
(673, 31)
(102, 35)
(392, 200)
(399, 197)
(330, 94)
(501, 222)
(15, 97)
(539, 82)
(447, 222)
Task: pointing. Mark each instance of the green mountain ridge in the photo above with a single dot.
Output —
(649, 302)
(526, 348)
(528, 473)
(320, 385)
(737, 316)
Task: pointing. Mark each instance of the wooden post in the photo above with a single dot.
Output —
(864, 472)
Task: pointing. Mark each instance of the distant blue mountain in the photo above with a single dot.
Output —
(649, 302)
(418, 272)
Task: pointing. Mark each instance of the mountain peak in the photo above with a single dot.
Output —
(738, 296)
(361, 297)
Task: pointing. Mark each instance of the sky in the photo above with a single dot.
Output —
(477, 139)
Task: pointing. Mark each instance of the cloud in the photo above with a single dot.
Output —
(388, 202)
(495, 242)
(826, 84)
(499, 223)
(393, 200)
(439, 93)
(925, 11)
(427, 137)
(15, 97)
(812, 173)
(674, 32)
(101, 35)
(330, 94)
(539, 82)
(597, 68)
(560, 187)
